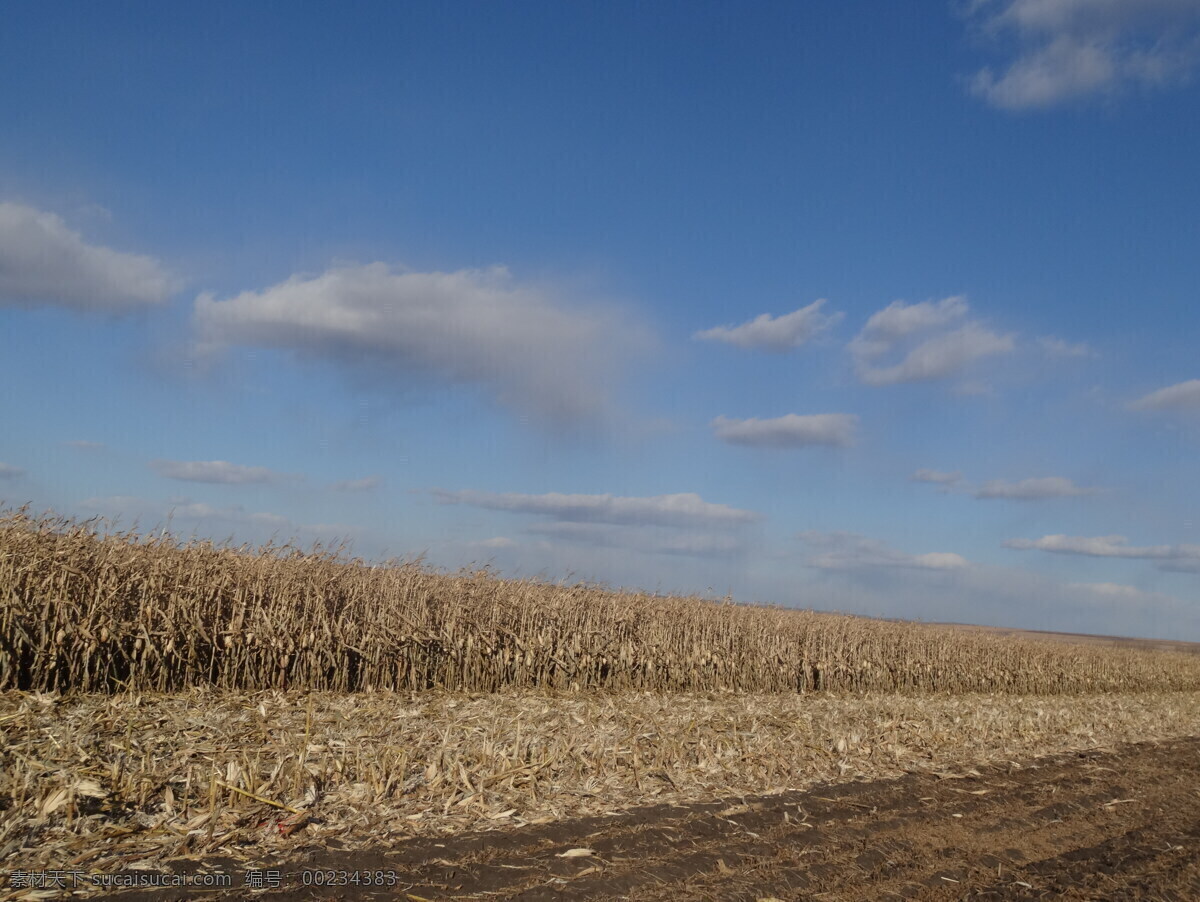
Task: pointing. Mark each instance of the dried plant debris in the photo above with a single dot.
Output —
(105, 782)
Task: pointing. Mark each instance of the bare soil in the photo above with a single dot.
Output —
(1099, 825)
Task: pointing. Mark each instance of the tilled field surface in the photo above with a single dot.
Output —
(1102, 824)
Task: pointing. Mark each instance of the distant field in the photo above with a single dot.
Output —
(1158, 645)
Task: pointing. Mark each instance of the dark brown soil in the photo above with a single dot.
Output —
(1111, 825)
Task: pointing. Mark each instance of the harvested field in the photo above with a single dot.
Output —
(1102, 825)
(101, 783)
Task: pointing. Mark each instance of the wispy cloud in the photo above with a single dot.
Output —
(777, 334)
(643, 539)
(1181, 396)
(521, 343)
(214, 471)
(928, 349)
(366, 484)
(233, 513)
(1169, 557)
(681, 510)
(1113, 590)
(1056, 347)
(789, 431)
(1072, 49)
(42, 261)
(851, 551)
(210, 516)
(8, 471)
(1034, 489)
(496, 543)
(937, 477)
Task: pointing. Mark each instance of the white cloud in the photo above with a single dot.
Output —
(1181, 396)
(42, 261)
(851, 551)
(8, 471)
(642, 539)
(1033, 489)
(937, 477)
(1071, 49)
(939, 356)
(939, 560)
(1095, 546)
(1056, 347)
(497, 542)
(681, 510)
(519, 342)
(1112, 590)
(1184, 557)
(789, 431)
(898, 319)
(216, 471)
(366, 484)
(777, 334)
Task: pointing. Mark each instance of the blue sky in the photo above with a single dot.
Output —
(891, 311)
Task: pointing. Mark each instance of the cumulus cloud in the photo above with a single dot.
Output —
(520, 343)
(8, 471)
(898, 319)
(789, 431)
(940, 357)
(1056, 347)
(1181, 396)
(937, 477)
(851, 551)
(215, 471)
(906, 329)
(1182, 557)
(366, 484)
(681, 510)
(1033, 489)
(1071, 49)
(776, 334)
(42, 261)
(645, 540)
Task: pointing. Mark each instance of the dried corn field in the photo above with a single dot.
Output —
(84, 610)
